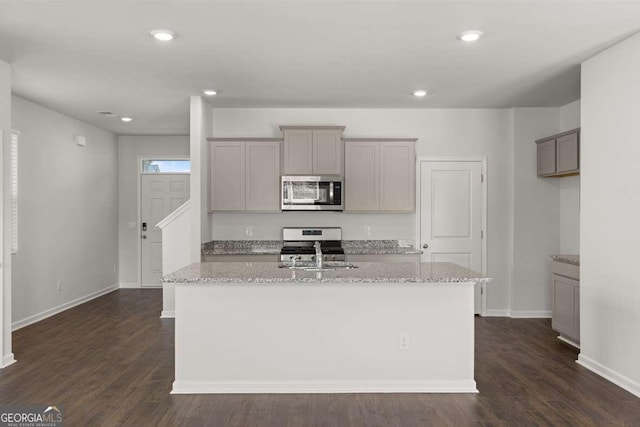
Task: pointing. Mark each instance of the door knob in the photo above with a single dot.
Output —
(425, 246)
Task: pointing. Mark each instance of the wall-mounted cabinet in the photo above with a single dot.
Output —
(380, 175)
(313, 150)
(565, 286)
(244, 175)
(559, 155)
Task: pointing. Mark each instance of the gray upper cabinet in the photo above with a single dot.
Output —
(547, 157)
(559, 155)
(298, 151)
(227, 176)
(262, 161)
(380, 175)
(361, 180)
(244, 175)
(310, 150)
(567, 153)
(397, 176)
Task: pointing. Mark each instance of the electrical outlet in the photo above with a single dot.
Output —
(367, 230)
(59, 285)
(405, 243)
(248, 231)
(404, 342)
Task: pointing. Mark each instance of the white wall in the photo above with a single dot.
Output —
(68, 212)
(610, 225)
(267, 226)
(6, 355)
(200, 128)
(536, 215)
(129, 150)
(440, 132)
(570, 190)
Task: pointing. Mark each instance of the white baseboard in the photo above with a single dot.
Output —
(129, 286)
(168, 314)
(401, 386)
(519, 314)
(531, 314)
(568, 341)
(501, 312)
(62, 307)
(8, 360)
(611, 375)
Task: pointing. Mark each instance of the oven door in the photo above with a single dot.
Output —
(311, 193)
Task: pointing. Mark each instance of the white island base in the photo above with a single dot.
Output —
(324, 338)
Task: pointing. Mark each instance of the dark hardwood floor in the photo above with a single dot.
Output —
(110, 362)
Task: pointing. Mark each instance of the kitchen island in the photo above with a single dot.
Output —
(381, 327)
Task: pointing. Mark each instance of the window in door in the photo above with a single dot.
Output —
(166, 166)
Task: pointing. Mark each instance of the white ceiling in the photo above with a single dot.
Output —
(81, 57)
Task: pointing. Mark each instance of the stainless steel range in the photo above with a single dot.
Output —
(300, 244)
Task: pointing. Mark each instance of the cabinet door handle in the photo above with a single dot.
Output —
(425, 246)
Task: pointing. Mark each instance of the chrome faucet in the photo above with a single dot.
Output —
(318, 247)
(293, 259)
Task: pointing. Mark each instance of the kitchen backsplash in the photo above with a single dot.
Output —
(268, 226)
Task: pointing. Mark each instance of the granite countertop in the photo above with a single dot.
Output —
(242, 247)
(366, 272)
(378, 247)
(269, 247)
(567, 259)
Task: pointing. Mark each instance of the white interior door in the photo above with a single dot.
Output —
(160, 194)
(451, 211)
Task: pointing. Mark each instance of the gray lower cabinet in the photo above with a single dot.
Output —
(559, 155)
(566, 301)
(244, 175)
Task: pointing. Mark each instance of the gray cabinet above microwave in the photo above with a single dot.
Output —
(313, 150)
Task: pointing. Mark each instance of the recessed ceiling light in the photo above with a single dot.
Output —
(163, 35)
(107, 113)
(126, 119)
(420, 92)
(470, 36)
(209, 92)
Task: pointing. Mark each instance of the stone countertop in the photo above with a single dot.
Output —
(242, 247)
(567, 259)
(272, 247)
(378, 247)
(366, 272)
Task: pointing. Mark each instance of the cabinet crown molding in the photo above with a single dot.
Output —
(244, 139)
(547, 138)
(380, 139)
(287, 127)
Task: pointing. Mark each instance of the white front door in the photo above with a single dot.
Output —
(451, 211)
(160, 194)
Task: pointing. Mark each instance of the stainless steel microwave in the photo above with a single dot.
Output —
(312, 193)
